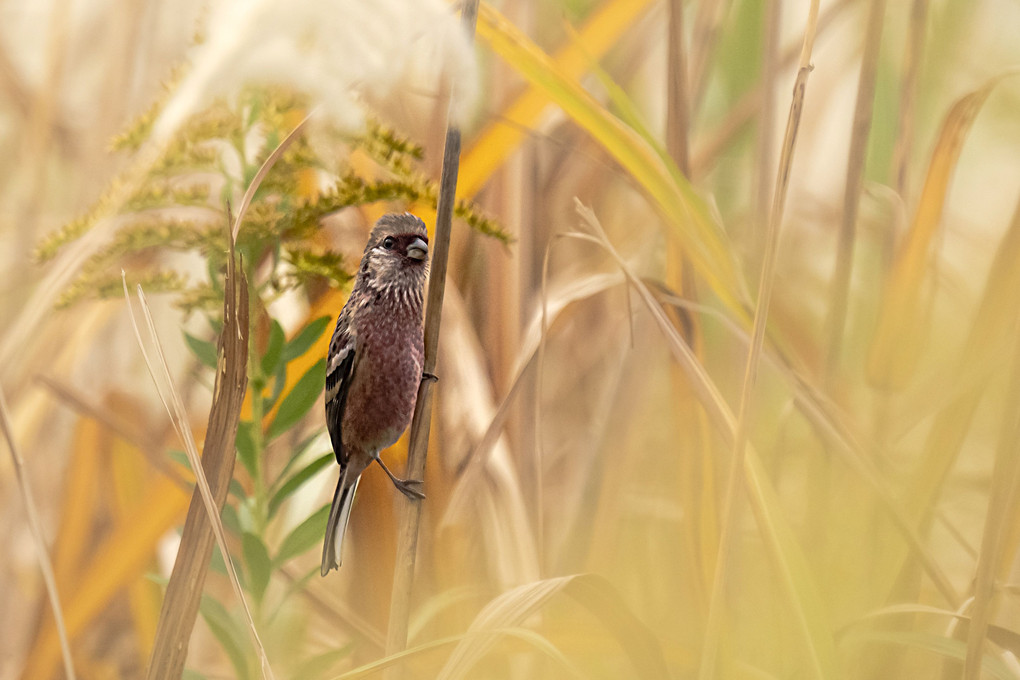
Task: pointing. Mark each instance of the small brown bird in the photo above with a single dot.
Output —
(375, 364)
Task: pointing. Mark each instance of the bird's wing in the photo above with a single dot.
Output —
(339, 372)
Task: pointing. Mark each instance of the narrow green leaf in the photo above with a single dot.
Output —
(236, 490)
(279, 382)
(297, 402)
(303, 536)
(274, 349)
(256, 560)
(299, 478)
(227, 632)
(245, 444)
(304, 340)
(230, 520)
(299, 452)
(203, 350)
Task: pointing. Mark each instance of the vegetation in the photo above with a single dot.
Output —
(729, 364)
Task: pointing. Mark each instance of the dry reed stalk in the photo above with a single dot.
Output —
(45, 565)
(750, 103)
(1002, 506)
(836, 323)
(678, 118)
(180, 608)
(713, 634)
(908, 97)
(765, 151)
(410, 510)
(203, 526)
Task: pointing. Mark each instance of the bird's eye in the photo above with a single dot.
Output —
(388, 242)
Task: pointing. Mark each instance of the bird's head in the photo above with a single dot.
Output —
(397, 253)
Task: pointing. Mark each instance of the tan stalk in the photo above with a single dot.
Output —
(908, 97)
(45, 565)
(836, 324)
(219, 456)
(410, 510)
(750, 104)
(731, 511)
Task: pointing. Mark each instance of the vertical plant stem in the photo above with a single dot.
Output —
(45, 565)
(678, 113)
(908, 96)
(836, 324)
(710, 648)
(766, 120)
(410, 510)
(1002, 507)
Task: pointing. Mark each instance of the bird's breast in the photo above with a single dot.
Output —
(387, 372)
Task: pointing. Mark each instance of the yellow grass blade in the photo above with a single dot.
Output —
(499, 139)
(901, 327)
(45, 564)
(787, 558)
(684, 211)
(121, 558)
(514, 607)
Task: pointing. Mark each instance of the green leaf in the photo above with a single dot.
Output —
(227, 632)
(274, 349)
(245, 445)
(298, 479)
(191, 674)
(256, 560)
(230, 520)
(279, 382)
(180, 458)
(203, 350)
(303, 536)
(304, 340)
(236, 490)
(299, 451)
(305, 393)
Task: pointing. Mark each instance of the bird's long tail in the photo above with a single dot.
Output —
(336, 526)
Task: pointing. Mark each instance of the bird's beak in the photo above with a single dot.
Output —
(418, 250)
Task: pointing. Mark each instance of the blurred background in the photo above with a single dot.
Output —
(589, 513)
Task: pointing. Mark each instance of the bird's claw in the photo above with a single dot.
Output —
(408, 487)
(429, 376)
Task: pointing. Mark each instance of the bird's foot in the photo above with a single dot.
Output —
(429, 376)
(409, 487)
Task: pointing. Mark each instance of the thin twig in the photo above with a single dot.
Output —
(713, 633)
(45, 565)
(116, 425)
(410, 511)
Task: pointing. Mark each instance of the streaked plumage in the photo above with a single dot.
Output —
(375, 364)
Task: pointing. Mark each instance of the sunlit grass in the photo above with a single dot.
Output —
(589, 409)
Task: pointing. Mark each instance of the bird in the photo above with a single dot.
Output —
(375, 364)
